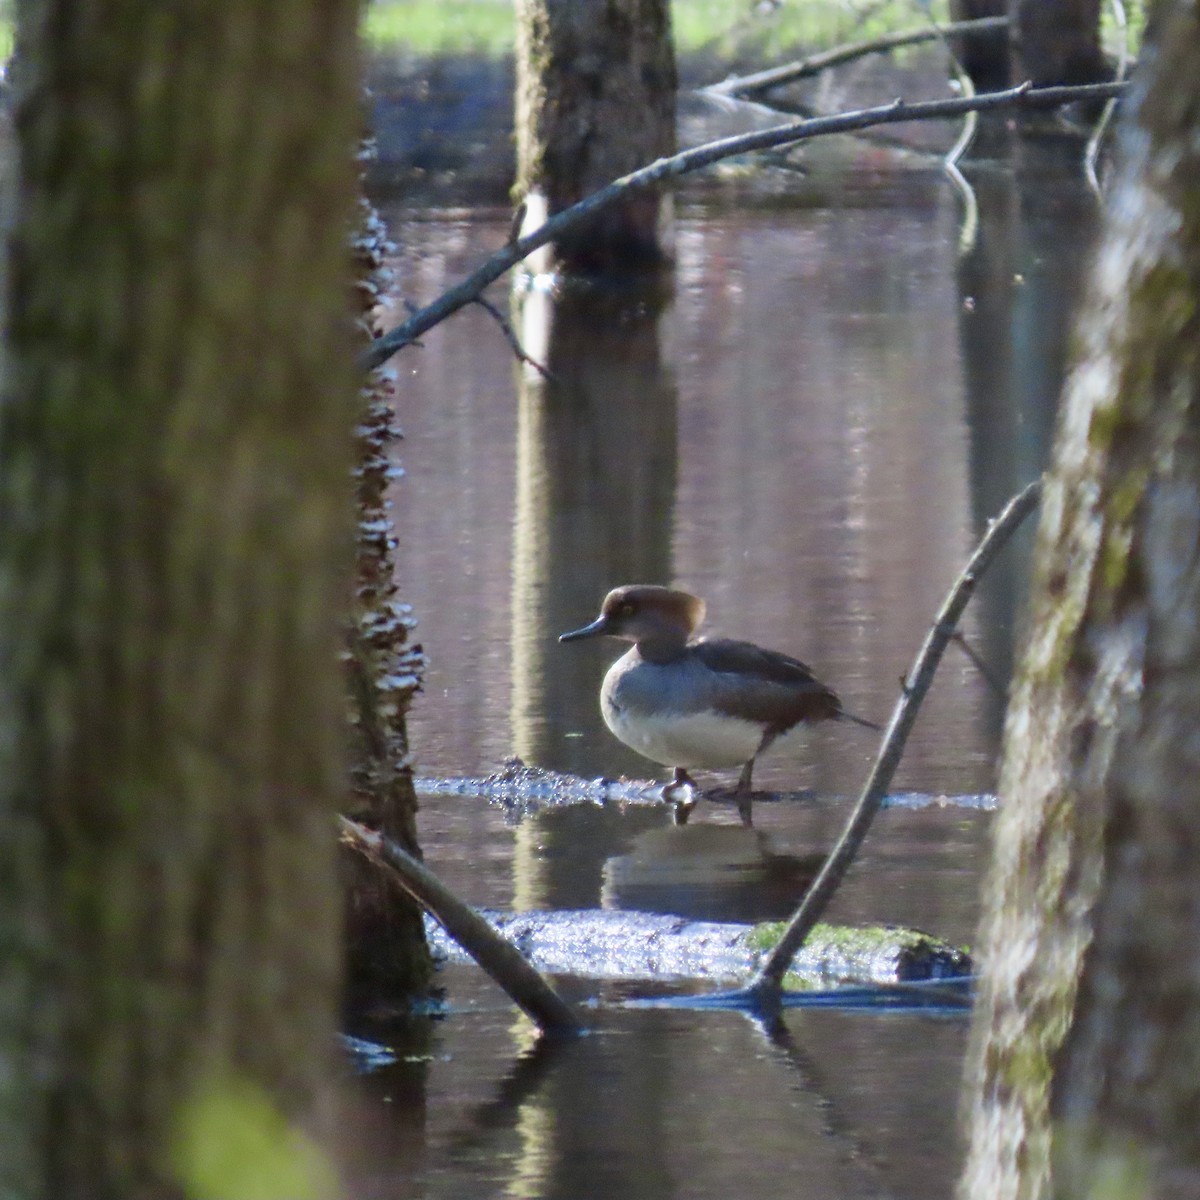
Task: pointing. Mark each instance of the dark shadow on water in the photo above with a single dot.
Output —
(1019, 289)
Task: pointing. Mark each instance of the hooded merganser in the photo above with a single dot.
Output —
(687, 702)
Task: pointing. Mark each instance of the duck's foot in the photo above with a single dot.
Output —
(682, 792)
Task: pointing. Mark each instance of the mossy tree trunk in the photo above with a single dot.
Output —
(595, 99)
(1085, 1068)
(175, 555)
(1056, 41)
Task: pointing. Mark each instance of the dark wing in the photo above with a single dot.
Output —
(766, 685)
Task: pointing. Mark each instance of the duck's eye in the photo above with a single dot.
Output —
(627, 609)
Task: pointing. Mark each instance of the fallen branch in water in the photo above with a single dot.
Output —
(837, 56)
(502, 961)
(465, 292)
(767, 982)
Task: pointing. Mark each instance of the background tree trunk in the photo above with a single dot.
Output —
(1056, 41)
(1085, 1069)
(984, 57)
(175, 548)
(595, 99)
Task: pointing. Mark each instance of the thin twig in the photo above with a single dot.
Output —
(762, 81)
(977, 662)
(766, 984)
(513, 341)
(464, 293)
(1091, 158)
(501, 960)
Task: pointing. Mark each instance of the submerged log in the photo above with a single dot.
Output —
(524, 790)
(601, 944)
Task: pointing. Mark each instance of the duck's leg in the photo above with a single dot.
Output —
(742, 792)
(682, 782)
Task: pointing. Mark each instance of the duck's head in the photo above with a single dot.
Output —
(644, 613)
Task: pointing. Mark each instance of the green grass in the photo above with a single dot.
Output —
(726, 27)
(430, 27)
(735, 28)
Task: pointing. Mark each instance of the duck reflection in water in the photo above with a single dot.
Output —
(708, 873)
(691, 702)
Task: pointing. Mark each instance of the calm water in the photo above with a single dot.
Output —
(810, 433)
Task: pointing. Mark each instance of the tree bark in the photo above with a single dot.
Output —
(1085, 1068)
(984, 57)
(387, 958)
(175, 550)
(595, 99)
(1056, 41)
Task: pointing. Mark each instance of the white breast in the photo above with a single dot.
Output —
(645, 705)
(677, 740)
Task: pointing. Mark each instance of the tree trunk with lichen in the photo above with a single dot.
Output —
(595, 99)
(1056, 41)
(387, 958)
(175, 546)
(1085, 1069)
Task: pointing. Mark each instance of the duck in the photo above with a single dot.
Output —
(699, 703)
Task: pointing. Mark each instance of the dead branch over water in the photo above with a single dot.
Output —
(767, 982)
(503, 962)
(1023, 96)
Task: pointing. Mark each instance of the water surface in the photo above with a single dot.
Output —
(810, 432)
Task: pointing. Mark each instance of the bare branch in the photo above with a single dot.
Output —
(511, 338)
(463, 293)
(501, 960)
(765, 985)
(976, 660)
(773, 77)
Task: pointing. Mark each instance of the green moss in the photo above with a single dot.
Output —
(1102, 429)
(1123, 503)
(850, 939)
(1025, 1069)
(847, 941)
(846, 949)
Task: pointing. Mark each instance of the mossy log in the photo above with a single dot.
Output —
(605, 944)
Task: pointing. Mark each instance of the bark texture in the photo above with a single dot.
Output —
(1085, 1069)
(595, 100)
(984, 57)
(175, 546)
(387, 958)
(1056, 41)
